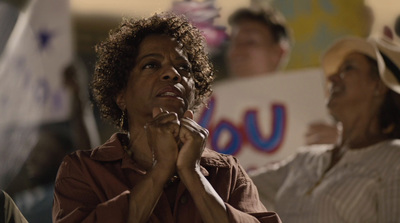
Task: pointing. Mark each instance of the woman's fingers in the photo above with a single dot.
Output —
(188, 114)
(164, 121)
(162, 134)
(157, 111)
(193, 138)
(189, 126)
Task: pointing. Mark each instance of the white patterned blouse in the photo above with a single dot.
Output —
(364, 186)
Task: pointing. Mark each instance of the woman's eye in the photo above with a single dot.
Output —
(150, 66)
(344, 69)
(347, 67)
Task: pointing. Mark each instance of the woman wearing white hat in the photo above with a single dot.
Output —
(358, 179)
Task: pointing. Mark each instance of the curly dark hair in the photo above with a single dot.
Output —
(116, 56)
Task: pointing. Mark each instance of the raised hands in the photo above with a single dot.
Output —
(185, 140)
(193, 139)
(162, 135)
(177, 144)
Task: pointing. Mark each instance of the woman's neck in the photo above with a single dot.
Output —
(360, 134)
(362, 142)
(360, 124)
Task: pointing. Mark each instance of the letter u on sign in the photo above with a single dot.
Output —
(278, 126)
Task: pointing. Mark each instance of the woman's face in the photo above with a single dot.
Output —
(352, 87)
(160, 78)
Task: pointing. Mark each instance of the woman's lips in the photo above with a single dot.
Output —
(171, 92)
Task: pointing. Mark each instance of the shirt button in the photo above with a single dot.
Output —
(183, 200)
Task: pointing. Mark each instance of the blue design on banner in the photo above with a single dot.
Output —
(42, 91)
(246, 132)
(235, 141)
(44, 39)
(271, 143)
(58, 102)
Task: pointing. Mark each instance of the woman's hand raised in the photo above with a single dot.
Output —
(162, 134)
(193, 138)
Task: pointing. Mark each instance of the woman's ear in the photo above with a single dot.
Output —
(120, 100)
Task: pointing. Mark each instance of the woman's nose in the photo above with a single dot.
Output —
(334, 77)
(171, 74)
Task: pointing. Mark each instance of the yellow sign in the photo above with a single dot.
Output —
(315, 24)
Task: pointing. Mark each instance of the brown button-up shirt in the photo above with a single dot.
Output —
(93, 186)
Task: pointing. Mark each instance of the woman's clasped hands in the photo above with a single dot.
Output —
(176, 143)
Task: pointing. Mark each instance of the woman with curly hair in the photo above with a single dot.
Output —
(150, 76)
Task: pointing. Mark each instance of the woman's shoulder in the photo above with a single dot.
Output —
(394, 145)
(384, 159)
(314, 150)
(73, 162)
(111, 150)
(213, 158)
(389, 151)
(78, 155)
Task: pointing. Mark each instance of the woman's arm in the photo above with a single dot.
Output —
(78, 197)
(76, 200)
(193, 137)
(145, 195)
(161, 135)
(210, 205)
(243, 204)
(269, 179)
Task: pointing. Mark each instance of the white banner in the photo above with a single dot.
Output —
(31, 79)
(264, 119)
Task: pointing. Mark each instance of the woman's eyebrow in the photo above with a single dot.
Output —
(156, 55)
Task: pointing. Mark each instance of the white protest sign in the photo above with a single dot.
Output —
(264, 119)
(31, 67)
(31, 79)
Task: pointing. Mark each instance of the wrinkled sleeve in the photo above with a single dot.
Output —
(10, 212)
(268, 179)
(389, 197)
(244, 204)
(76, 201)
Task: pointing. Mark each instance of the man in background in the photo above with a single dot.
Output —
(260, 45)
(260, 42)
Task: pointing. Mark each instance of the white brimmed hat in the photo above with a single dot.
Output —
(385, 53)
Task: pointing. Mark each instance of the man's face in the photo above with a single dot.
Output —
(252, 50)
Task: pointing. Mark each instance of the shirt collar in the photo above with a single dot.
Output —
(112, 150)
